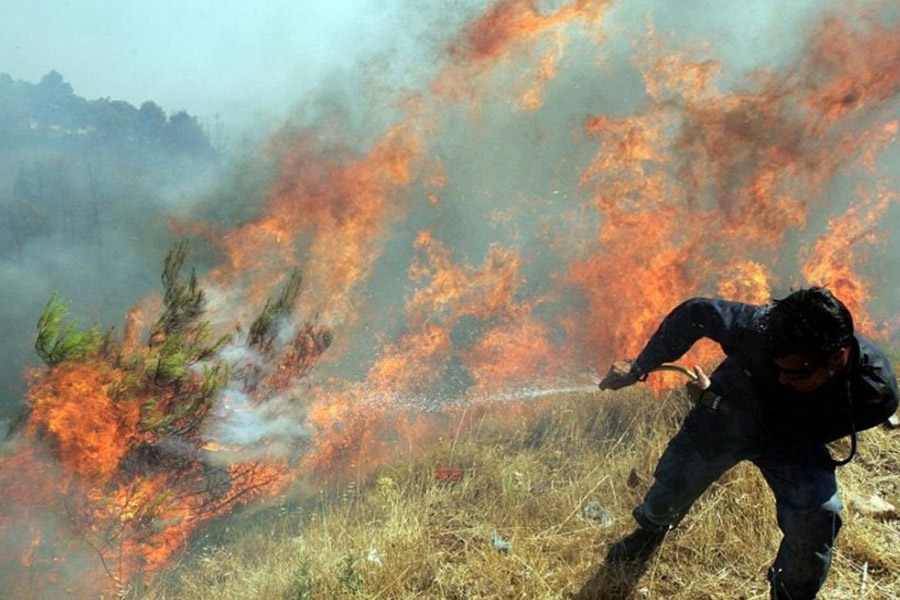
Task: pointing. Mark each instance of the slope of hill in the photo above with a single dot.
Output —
(522, 501)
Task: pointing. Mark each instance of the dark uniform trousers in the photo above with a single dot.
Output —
(801, 476)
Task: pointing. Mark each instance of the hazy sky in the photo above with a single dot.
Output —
(238, 58)
(251, 61)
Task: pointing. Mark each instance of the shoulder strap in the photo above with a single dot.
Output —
(849, 396)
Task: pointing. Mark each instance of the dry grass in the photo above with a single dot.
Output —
(402, 533)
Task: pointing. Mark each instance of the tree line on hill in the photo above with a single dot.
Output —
(50, 111)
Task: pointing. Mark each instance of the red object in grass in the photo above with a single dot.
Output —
(450, 474)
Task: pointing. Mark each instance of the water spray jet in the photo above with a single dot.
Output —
(584, 389)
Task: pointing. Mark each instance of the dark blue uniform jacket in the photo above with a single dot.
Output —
(862, 396)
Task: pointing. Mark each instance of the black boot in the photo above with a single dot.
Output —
(638, 545)
(777, 590)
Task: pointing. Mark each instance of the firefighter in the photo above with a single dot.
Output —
(795, 377)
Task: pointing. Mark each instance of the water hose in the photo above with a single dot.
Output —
(676, 369)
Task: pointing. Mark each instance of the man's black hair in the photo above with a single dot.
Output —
(808, 320)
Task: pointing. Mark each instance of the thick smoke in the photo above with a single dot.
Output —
(247, 427)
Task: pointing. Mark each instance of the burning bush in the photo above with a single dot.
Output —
(128, 422)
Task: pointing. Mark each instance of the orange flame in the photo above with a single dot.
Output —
(80, 407)
(834, 258)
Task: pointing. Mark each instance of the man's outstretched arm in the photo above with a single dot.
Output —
(719, 320)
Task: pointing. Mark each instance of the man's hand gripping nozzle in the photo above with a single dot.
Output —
(621, 375)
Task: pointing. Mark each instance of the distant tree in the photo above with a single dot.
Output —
(53, 85)
(186, 135)
(97, 203)
(55, 103)
(151, 122)
(49, 186)
(20, 221)
(26, 184)
(11, 113)
(60, 196)
(116, 121)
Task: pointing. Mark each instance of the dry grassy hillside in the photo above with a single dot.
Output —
(523, 504)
